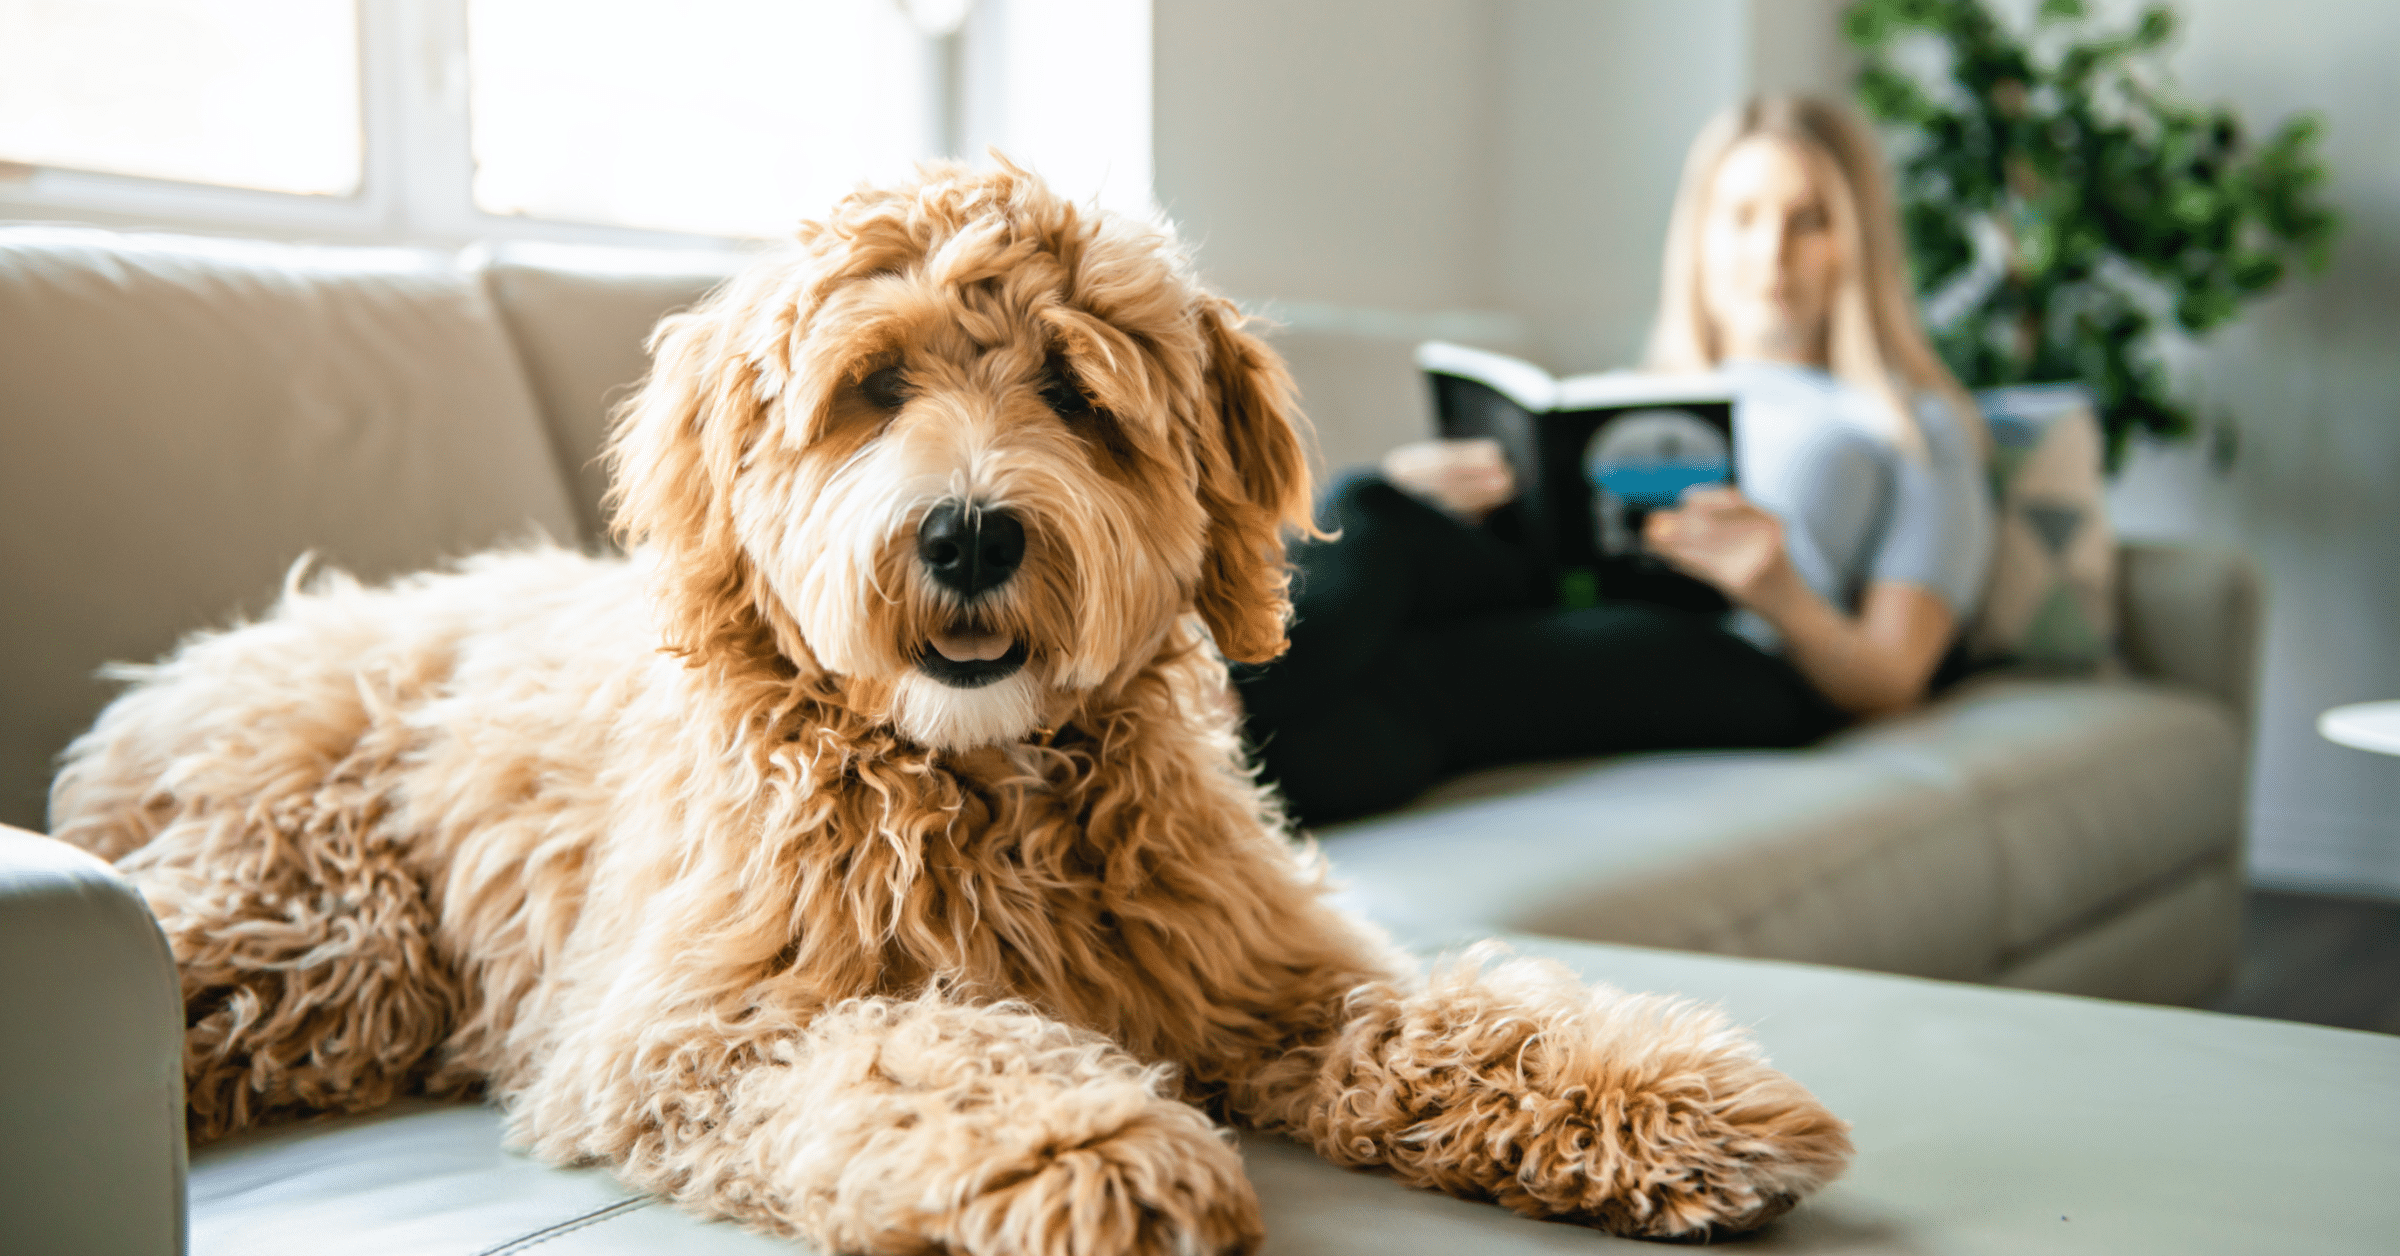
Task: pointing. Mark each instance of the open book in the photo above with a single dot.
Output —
(1593, 456)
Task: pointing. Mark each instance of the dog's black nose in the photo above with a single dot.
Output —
(970, 548)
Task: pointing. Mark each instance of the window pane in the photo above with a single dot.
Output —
(719, 117)
(1074, 97)
(243, 93)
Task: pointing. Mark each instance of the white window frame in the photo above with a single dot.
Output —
(416, 184)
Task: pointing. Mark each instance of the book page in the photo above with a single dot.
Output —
(1633, 388)
(1519, 380)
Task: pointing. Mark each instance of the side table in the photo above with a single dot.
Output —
(2363, 726)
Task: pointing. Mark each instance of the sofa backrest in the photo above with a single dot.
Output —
(182, 419)
(581, 318)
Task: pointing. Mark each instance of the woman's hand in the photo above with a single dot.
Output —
(1875, 662)
(1468, 478)
(1722, 537)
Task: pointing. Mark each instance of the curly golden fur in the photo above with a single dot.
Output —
(699, 866)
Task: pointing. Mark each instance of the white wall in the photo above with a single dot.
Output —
(1334, 153)
(1797, 46)
(1599, 102)
(1386, 171)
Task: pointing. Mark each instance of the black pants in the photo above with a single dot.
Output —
(1420, 650)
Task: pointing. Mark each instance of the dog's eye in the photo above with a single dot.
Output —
(884, 389)
(1063, 397)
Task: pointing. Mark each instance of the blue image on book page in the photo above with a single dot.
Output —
(1642, 461)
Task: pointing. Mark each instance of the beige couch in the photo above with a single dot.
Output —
(183, 419)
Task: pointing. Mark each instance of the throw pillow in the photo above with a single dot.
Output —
(2051, 598)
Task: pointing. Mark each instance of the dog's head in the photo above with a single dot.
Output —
(968, 450)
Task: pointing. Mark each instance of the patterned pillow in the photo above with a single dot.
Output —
(2051, 599)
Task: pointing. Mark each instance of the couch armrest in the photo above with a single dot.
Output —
(91, 1058)
(2189, 615)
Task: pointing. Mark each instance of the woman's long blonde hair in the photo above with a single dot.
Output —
(1877, 341)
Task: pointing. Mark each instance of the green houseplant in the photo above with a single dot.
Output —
(2064, 208)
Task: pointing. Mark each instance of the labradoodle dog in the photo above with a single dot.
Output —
(870, 856)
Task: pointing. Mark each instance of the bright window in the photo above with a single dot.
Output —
(240, 93)
(1069, 94)
(593, 121)
(725, 117)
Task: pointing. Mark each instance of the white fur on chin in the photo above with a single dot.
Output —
(938, 716)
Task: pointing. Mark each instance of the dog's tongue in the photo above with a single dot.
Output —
(971, 647)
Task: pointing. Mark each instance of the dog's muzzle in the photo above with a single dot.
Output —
(969, 549)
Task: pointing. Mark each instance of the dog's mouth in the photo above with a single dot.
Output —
(966, 657)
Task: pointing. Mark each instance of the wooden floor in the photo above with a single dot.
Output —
(2324, 960)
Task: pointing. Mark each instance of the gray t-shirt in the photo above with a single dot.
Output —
(1855, 509)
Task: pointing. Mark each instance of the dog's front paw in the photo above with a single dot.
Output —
(1166, 1182)
(1642, 1115)
(1714, 1150)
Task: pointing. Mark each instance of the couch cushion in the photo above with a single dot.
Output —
(2092, 795)
(419, 1178)
(581, 318)
(1814, 855)
(2189, 615)
(1954, 842)
(1987, 1121)
(187, 417)
(2178, 945)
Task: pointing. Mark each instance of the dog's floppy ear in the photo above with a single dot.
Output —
(672, 456)
(1254, 482)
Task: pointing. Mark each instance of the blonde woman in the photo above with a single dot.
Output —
(1847, 563)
